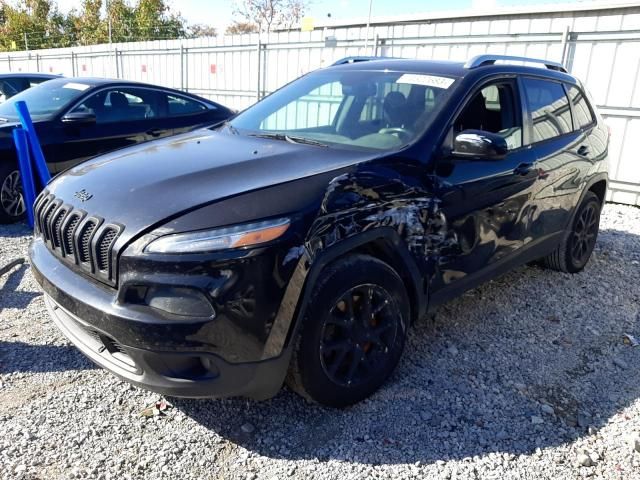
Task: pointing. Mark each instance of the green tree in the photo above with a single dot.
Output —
(153, 19)
(33, 24)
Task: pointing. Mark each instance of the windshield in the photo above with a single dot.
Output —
(44, 100)
(378, 110)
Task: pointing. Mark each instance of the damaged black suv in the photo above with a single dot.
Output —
(301, 239)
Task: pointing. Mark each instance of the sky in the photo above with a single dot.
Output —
(219, 13)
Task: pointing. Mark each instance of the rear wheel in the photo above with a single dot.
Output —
(353, 333)
(12, 205)
(578, 243)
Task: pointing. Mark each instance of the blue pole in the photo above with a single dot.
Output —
(26, 174)
(36, 150)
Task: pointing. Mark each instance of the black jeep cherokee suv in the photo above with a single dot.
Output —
(307, 234)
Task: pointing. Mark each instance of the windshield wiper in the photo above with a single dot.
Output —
(289, 138)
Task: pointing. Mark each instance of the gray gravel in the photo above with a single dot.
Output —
(528, 376)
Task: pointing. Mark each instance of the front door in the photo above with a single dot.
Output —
(486, 202)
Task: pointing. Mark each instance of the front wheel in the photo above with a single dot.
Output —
(12, 205)
(578, 242)
(353, 332)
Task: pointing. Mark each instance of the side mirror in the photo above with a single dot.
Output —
(79, 118)
(480, 144)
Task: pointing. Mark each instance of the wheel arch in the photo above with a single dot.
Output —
(382, 243)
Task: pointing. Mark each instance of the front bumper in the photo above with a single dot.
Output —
(169, 373)
(174, 357)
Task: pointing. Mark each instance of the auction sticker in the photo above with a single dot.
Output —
(426, 80)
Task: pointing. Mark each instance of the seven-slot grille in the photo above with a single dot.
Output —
(77, 238)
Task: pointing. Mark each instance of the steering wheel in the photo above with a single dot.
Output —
(402, 133)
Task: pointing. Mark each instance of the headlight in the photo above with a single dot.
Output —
(220, 238)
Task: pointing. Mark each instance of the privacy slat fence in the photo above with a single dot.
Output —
(600, 43)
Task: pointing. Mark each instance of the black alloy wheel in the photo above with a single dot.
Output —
(12, 205)
(584, 234)
(357, 334)
(353, 332)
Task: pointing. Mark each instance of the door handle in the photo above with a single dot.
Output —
(154, 132)
(523, 169)
(583, 151)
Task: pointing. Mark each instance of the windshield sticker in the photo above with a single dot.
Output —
(76, 86)
(426, 80)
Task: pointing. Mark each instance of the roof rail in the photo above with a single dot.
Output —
(482, 60)
(357, 59)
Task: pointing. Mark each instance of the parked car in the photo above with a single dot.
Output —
(79, 118)
(308, 233)
(13, 83)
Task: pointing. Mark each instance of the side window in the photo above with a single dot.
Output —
(582, 115)
(494, 109)
(121, 105)
(183, 106)
(548, 107)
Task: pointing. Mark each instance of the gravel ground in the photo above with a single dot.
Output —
(525, 377)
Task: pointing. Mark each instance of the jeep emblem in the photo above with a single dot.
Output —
(82, 195)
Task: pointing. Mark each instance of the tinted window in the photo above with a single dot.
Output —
(582, 115)
(121, 105)
(494, 109)
(548, 107)
(183, 106)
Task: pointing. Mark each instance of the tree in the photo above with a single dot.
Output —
(238, 28)
(268, 15)
(201, 30)
(153, 19)
(90, 29)
(33, 24)
(30, 24)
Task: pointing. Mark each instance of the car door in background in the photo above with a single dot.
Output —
(124, 116)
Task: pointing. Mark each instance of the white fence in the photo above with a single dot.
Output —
(598, 43)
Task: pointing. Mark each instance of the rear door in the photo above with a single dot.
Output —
(486, 202)
(561, 151)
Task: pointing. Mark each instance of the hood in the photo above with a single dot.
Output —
(142, 186)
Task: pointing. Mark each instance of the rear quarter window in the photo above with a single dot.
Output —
(548, 108)
(582, 113)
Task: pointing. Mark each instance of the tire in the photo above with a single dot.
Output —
(339, 358)
(12, 207)
(577, 243)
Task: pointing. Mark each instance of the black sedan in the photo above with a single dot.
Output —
(13, 83)
(79, 118)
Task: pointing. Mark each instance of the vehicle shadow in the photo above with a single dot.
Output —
(24, 357)
(10, 295)
(482, 377)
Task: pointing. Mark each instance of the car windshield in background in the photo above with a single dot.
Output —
(44, 100)
(365, 109)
